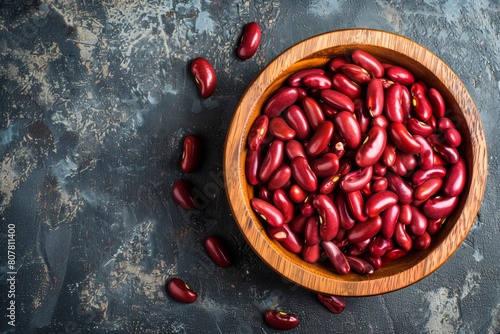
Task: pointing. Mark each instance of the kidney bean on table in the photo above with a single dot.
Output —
(191, 154)
(180, 291)
(249, 41)
(182, 193)
(335, 304)
(217, 251)
(281, 320)
(204, 75)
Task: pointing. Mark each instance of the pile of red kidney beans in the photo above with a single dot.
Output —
(354, 165)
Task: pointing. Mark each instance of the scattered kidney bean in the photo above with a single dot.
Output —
(250, 40)
(179, 290)
(204, 75)
(281, 320)
(217, 251)
(365, 169)
(191, 154)
(335, 304)
(182, 193)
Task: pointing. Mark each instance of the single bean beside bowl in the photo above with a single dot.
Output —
(355, 163)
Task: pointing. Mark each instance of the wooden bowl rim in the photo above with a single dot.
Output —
(297, 270)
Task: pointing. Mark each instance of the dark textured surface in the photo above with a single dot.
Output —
(95, 98)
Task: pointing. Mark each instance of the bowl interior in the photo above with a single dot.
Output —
(316, 52)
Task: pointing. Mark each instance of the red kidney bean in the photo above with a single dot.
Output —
(337, 100)
(316, 81)
(341, 83)
(439, 206)
(426, 155)
(452, 137)
(448, 152)
(335, 304)
(356, 73)
(320, 139)
(356, 180)
(271, 214)
(409, 160)
(345, 167)
(293, 242)
(252, 165)
(182, 193)
(362, 114)
(379, 245)
(381, 121)
(313, 112)
(346, 219)
(405, 213)
(336, 63)
(393, 103)
(297, 120)
(328, 110)
(279, 101)
(400, 75)
(359, 265)
(303, 175)
(380, 185)
(437, 102)
(421, 104)
(418, 222)
(325, 166)
(422, 241)
(401, 237)
(402, 138)
(379, 169)
(329, 184)
(432, 122)
(455, 181)
(279, 178)
(356, 204)
(400, 187)
(272, 161)
(191, 154)
(297, 224)
(392, 255)
(434, 225)
(406, 101)
(368, 62)
(329, 217)
(427, 189)
(420, 176)
(348, 126)
(277, 233)
(375, 97)
(301, 93)
(336, 257)
(250, 41)
(376, 262)
(389, 154)
(311, 231)
(366, 190)
(386, 83)
(204, 75)
(179, 290)
(257, 132)
(357, 248)
(281, 320)
(294, 149)
(265, 194)
(295, 79)
(379, 202)
(445, 123)
(296, 193)
(217, 251)
(389, 219)
(364, 230)
(312, 253)
(306, 208)
(372, 148)
(399, 167)
(416, 127)
(280, 129)
(283, 203)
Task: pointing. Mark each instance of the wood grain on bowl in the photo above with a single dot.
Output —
(316, 52)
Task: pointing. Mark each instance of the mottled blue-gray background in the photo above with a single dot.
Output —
(95, 98)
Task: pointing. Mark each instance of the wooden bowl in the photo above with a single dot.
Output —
(316, 52)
